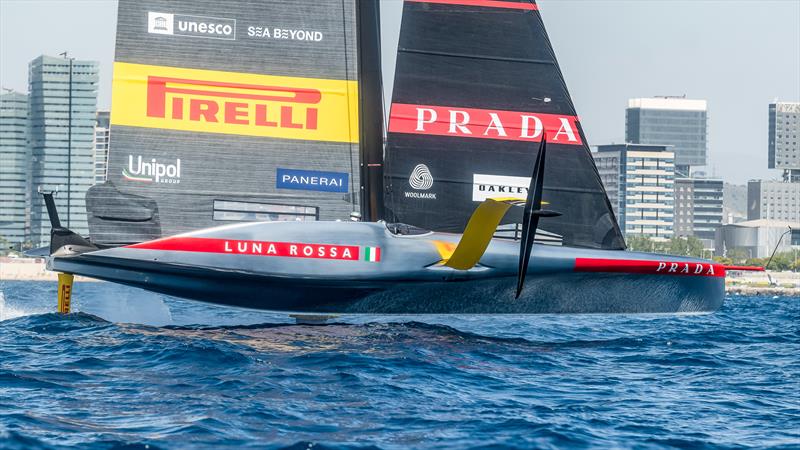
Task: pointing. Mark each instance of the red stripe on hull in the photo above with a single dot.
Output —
(454, 121)
(485, 3)
(747, 268)
(649, 267)
(258, 248)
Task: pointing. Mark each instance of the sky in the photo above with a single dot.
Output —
(737, 55)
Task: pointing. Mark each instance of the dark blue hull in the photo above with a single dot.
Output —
(546, 292)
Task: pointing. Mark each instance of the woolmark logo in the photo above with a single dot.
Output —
(152, 171)
(191, 26)
(421, 180)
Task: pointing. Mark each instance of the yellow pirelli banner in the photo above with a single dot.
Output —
(210, 101)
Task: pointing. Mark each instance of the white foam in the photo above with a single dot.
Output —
(121, 304)
(8, 312)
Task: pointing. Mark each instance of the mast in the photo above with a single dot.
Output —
(370, 109)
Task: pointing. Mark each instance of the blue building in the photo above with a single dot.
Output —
(63, 113)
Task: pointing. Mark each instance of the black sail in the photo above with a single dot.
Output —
(229, 111)
(476, 83)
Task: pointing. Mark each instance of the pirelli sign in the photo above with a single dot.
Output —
(211, 101)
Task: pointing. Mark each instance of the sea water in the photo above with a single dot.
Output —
(138, 370)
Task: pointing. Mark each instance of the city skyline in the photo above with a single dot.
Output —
(63, 110)
(691, 50)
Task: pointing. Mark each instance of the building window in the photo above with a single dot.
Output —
(227, 210)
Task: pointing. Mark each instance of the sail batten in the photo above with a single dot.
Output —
(484, 57)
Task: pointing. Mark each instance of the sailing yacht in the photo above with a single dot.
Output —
(356, 156)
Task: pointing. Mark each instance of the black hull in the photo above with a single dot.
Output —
(569, 293)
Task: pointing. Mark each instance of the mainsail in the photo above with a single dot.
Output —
(476, 85)
(230, 111)
(273, 110)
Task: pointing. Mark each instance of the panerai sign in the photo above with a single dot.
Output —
(312, 180)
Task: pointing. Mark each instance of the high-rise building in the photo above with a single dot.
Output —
(63, 109)
(102, 132)
(773, 206)
(784, 139)
(675, 121)
(774, 200)
(14, 157)
(639, 180)
(698, 208)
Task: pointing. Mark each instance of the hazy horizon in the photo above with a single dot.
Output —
(737, 55)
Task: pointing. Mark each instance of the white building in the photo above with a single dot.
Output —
(784, 138)
(773, 200)
(698, 208)
(102, 134)
(639, 180)
(779, 200)
(758, 238)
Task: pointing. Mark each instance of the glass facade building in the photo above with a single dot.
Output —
(639, 180)
(678, 122)
(63, 109)
(14, 157)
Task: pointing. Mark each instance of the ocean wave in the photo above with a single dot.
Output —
(725, 380)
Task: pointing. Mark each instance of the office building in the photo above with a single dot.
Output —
(675, 121)
(102, 132)
(698, 208)
(784, 139)
(63, 108)
(639, 180)
(773, 200)
(14, 157)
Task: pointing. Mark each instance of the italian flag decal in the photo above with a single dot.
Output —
(372, 254)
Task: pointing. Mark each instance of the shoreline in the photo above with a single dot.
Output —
(743, 283)
(31, 269)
